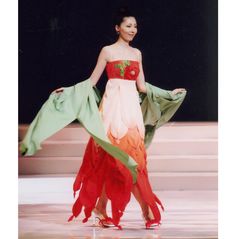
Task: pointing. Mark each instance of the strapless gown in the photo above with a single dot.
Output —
(123, 123)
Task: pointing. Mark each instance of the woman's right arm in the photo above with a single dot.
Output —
(100, 66)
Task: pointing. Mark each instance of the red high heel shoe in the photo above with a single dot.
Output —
(102, 220)
(152, 223)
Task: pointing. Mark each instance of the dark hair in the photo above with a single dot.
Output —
(121, 14)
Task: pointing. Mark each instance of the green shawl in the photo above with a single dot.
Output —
(81, 102)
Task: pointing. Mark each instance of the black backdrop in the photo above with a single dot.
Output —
(59, 41)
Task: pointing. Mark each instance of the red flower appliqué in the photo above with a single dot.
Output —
(131, 72)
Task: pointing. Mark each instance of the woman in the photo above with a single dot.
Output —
(114, 164)
(123, 122)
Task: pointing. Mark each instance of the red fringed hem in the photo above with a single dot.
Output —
(98, 170)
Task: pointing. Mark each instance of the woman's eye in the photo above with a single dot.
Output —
(129, 26)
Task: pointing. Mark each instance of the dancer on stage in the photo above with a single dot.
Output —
(115, 160)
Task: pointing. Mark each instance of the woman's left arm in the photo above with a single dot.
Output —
(141, 79)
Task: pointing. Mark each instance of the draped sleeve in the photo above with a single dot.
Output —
(158, 106)
(76, 102)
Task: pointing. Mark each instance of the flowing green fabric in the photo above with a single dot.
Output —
(158, 106)
(81, 102)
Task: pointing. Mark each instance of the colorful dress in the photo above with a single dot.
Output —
(123, 122)
(121, 129)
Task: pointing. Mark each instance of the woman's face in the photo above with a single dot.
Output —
(127, 29)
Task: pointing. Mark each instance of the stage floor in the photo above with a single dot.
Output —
(44, 214)
(45, 201)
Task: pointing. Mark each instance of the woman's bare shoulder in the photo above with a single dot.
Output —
(105, 52)
(109, 51)
(108, 47)
(137, 51)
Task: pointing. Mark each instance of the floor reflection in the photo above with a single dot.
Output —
(188, 215)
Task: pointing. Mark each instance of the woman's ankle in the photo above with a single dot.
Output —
(147, 214)
(102, 211)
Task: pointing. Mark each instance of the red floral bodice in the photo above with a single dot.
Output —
(122, 69)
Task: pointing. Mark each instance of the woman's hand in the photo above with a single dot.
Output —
(58, 90)
(177, 90)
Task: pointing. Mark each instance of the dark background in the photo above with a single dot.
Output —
(59, 42)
